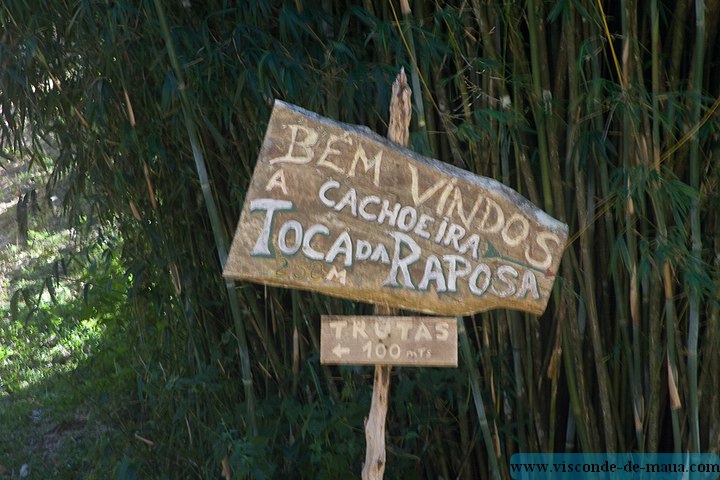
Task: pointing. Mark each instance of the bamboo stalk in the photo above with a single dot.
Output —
(447, 124)
(214, 216)
(576, 424)
(315, 341)
(655, 66)
(467, 443)
(537, 105)
(521, 393)
(695, 233)
(631, 152)
(679, 25)
(581, 399)
(604, 388)
(469, 359)
(711, 374)
(653, 411)
(550, 170)
(655, 356)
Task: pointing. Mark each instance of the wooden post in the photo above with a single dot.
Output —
(400, 111)
(374, 466)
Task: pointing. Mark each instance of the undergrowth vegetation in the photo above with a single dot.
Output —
(65, 364)
(604, 114)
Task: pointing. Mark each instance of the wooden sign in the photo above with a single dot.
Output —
(338, 209)
(375, 340)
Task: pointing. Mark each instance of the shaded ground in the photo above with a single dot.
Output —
(53, 410)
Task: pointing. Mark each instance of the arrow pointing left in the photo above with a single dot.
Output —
(339, 350)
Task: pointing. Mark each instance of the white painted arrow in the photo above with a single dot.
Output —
(339, 350)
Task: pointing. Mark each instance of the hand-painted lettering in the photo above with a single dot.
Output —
(402, 264)
(329, 150)
(308, 140)
(373, 163)
(338, 326)
(277, 181)
(270, 205)
(308, 250)
(330, 184)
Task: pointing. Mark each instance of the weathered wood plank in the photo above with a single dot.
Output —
(376, 340)
(338, 209)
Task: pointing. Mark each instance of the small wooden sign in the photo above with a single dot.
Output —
(375, 340)
(338, 209)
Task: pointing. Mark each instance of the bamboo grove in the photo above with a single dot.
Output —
(603, 113)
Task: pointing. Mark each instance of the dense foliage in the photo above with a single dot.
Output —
(602, 113)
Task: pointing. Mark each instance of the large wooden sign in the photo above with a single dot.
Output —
(374, 340)
(337, 209)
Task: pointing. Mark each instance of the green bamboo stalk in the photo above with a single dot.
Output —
(654, 353)
(467, 444)
(537, 104)
(493, 89)
(210, 204)
(646, 137)
(553, 110)
(682, 7)
(521, 392)
(485, 27)
(474, 375)
(670, 326)
(712, 376)
(604, 387)
(467, 98)
(580, 418)
(493, 341)
(512, 131)
(674, 74)
(655, 65)
(262, 331)
(630, 155)
(695, 233)
(575, 423)
(594, 110)
(539, 423)
(453, 144)
(548, 146)
(315, 341)
(711, 366)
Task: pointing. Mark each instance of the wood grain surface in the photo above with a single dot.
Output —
(338, 209)
(379, 340)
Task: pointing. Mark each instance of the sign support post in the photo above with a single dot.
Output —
(375, 456)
